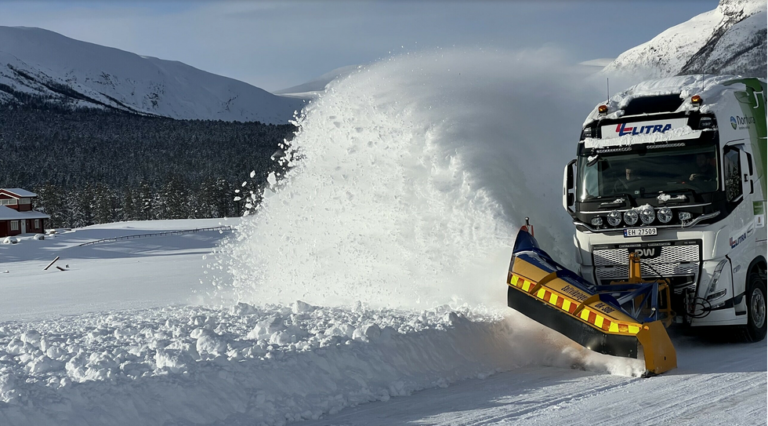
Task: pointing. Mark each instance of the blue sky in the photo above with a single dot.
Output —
(279, 44)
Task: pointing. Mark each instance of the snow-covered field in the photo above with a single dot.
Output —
(133, 273)
(368, 290)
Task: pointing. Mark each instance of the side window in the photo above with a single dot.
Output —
(732, 175)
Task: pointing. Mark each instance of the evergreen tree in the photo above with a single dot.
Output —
(176, 205)
(129, 206)
(224, 197)
(50, 200)
(146, 200)
(102, 204)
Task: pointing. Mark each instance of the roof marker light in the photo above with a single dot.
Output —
(696, 100)
(602, 109)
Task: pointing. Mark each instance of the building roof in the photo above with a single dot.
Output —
(19, 192)
(7, 213)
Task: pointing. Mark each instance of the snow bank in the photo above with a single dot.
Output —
(260, 365)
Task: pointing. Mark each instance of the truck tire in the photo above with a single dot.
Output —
(756, 300)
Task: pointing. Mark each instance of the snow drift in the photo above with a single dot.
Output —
(248, 365)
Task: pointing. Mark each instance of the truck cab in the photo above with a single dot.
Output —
(674, 170)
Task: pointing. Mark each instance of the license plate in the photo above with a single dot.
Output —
(640, 232)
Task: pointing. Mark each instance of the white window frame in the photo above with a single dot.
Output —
(37, 223)
(25, 201)
(9, 202)
(14, 225)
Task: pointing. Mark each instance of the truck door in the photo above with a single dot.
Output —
(738, 187)
(755, 198)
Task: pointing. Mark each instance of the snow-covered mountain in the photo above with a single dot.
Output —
(35, 61)
(730, 39)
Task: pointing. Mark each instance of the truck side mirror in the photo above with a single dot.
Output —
(569, 192)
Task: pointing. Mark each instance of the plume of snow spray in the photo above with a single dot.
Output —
(407, 182)
(409, 179)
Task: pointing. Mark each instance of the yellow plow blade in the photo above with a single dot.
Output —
(614, 320)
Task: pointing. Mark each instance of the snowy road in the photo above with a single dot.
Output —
(81, 347)
(716, 383)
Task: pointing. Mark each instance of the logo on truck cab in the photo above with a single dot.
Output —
(622, 129)
(648, 252)
(741, 122)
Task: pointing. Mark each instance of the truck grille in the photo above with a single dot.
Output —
(680, 259)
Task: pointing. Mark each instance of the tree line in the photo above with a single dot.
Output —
(92, 166)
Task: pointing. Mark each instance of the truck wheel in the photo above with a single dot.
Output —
(756, 324)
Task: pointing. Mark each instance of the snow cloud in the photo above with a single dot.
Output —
(415, 174)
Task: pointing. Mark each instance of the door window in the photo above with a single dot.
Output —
(732, 174)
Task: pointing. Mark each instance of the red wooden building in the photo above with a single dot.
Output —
(16, 214)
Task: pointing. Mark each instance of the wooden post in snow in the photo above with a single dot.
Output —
(52, 262)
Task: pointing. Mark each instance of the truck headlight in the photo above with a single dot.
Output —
(665, 214)
(630, 217)
(715, 277)
(597, 221)
(683, 216)
(614, 218)
(717, 295)
(647, 215)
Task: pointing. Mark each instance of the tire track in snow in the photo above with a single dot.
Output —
(715, 384)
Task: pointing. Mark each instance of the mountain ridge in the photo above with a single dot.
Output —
(38, 63)
(731, 39)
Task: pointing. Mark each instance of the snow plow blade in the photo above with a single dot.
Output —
(615, 319)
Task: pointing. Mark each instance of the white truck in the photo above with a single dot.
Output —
(674, 170)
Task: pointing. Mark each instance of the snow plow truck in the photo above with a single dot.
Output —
(667, 197)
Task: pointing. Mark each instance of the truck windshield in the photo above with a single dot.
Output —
(646, 174)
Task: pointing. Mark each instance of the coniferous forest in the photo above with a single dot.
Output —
(95, 166)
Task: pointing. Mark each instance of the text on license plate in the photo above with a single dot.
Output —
(640, 232)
